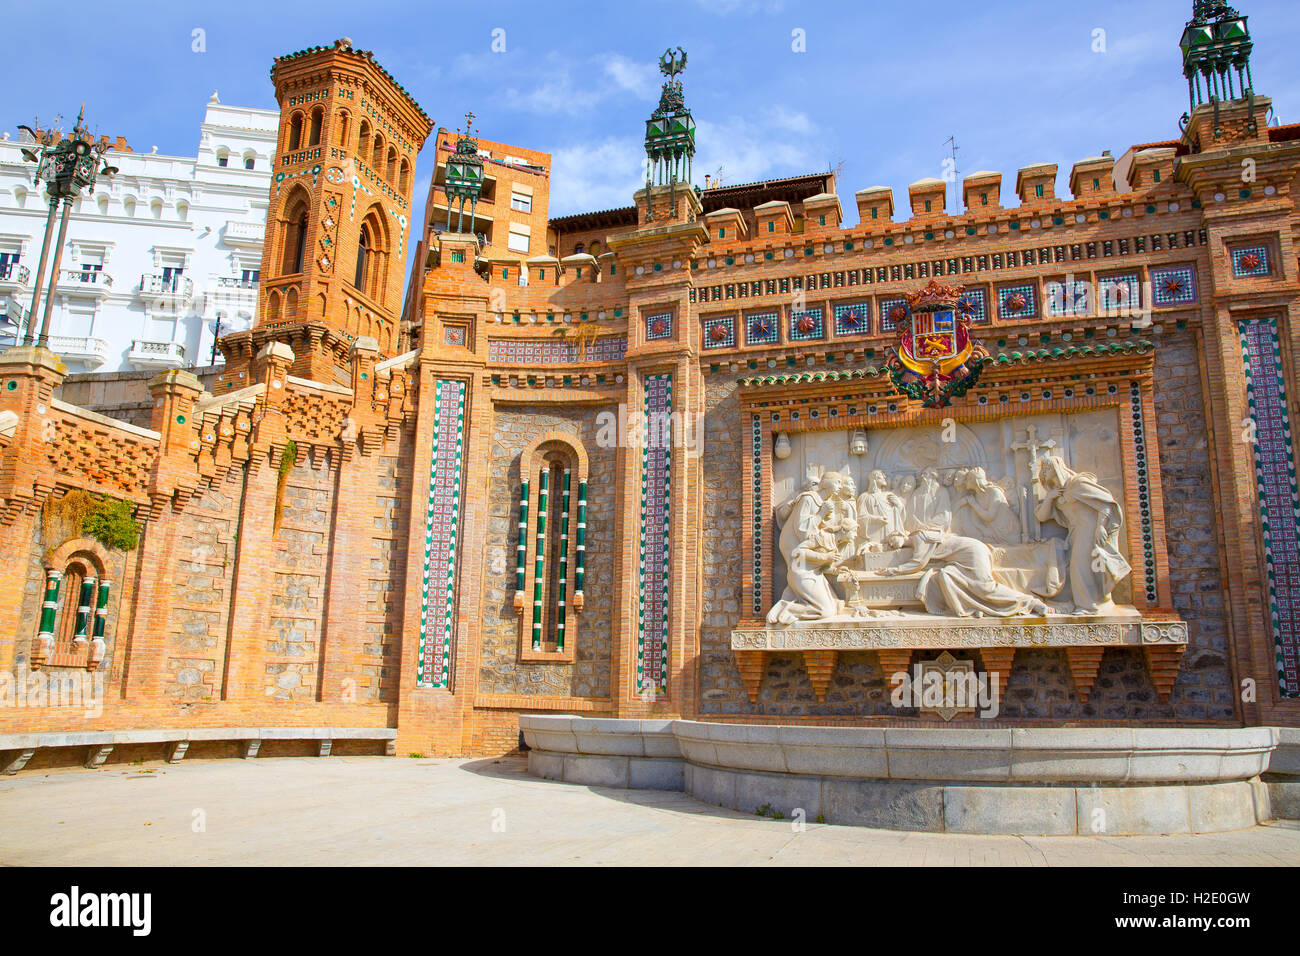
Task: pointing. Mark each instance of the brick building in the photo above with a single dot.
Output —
(437, 529)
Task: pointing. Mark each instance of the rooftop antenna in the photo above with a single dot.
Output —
(716, 179)
(956, 175)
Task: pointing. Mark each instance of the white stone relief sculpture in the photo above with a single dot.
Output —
(1077, 501)
(933, 534)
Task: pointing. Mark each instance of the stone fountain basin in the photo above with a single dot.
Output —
(998, 780)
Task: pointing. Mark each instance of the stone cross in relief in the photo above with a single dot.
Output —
(1031, 444)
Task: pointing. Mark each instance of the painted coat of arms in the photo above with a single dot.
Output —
(935, 358)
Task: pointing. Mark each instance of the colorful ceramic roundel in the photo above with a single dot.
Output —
(935, 357)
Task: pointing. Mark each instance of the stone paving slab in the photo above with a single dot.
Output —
(400, 811)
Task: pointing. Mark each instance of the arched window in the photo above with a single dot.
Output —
(364, 251)
(550, 554)
(405, 181)
(67, 630)
(363, 141)
(344, 121)
(75, 607)
(291, 304)
(377, 155)
(250, 160)
(128, 206)
(317, 118)
(272, 307)
(371, 271)
(223, 157)
(579, 248)
(295, 131)
(155, 208)
(391, 172)
(294, 239)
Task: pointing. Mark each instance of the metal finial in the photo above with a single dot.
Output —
(670, 65)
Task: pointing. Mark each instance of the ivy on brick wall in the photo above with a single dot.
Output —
(109, 521)
(113, 524)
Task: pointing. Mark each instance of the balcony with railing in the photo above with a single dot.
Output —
(236, 282)
(85, 282)
(243, 233)
(91, 351)
(167, 289)
(145, 355)
(14, 277)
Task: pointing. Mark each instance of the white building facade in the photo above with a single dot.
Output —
(159, 261)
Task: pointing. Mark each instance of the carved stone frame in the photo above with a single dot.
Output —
(832, 401)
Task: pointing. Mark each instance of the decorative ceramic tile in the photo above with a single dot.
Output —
(1175, 285)
(659, 326)
(1279, 500)
(974, 304)
(610, 348)
(889, 316)
(1017, 302)
(437, 602)
(1143, 490)
(756, 507)
(656, 544)
(720, 332)
(806, 324)
(853, 318)
(453, 335)
(761, 328)
(1119, 293)
(1069, 297)
(1250, 261)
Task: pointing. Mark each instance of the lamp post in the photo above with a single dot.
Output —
(67, 165)
(464, 178)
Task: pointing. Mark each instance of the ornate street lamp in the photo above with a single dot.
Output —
(669, 133)
(1216, 44)
(464, 177)
(67, 166)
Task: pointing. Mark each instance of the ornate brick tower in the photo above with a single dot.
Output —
(339, 219)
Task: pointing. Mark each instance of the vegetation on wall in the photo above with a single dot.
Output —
(288, 458)
(109, 521)
(113, 524)
(63, 518)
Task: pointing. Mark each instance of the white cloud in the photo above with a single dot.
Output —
(603, 175)
(606, 174)
(571, 89)
(780, 142)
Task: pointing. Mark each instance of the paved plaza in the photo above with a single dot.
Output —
(344, 811)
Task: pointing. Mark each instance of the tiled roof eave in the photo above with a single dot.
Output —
(1136, 347)
(366, 55)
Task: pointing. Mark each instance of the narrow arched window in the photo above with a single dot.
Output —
(341, 139)
(75, 579)
(405, 181)
(272, 307)
(364, 251)
(317, 118)
(550, 555)
(295, 239)
(295, 131)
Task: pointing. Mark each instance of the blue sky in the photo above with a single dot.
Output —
(879, 89)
